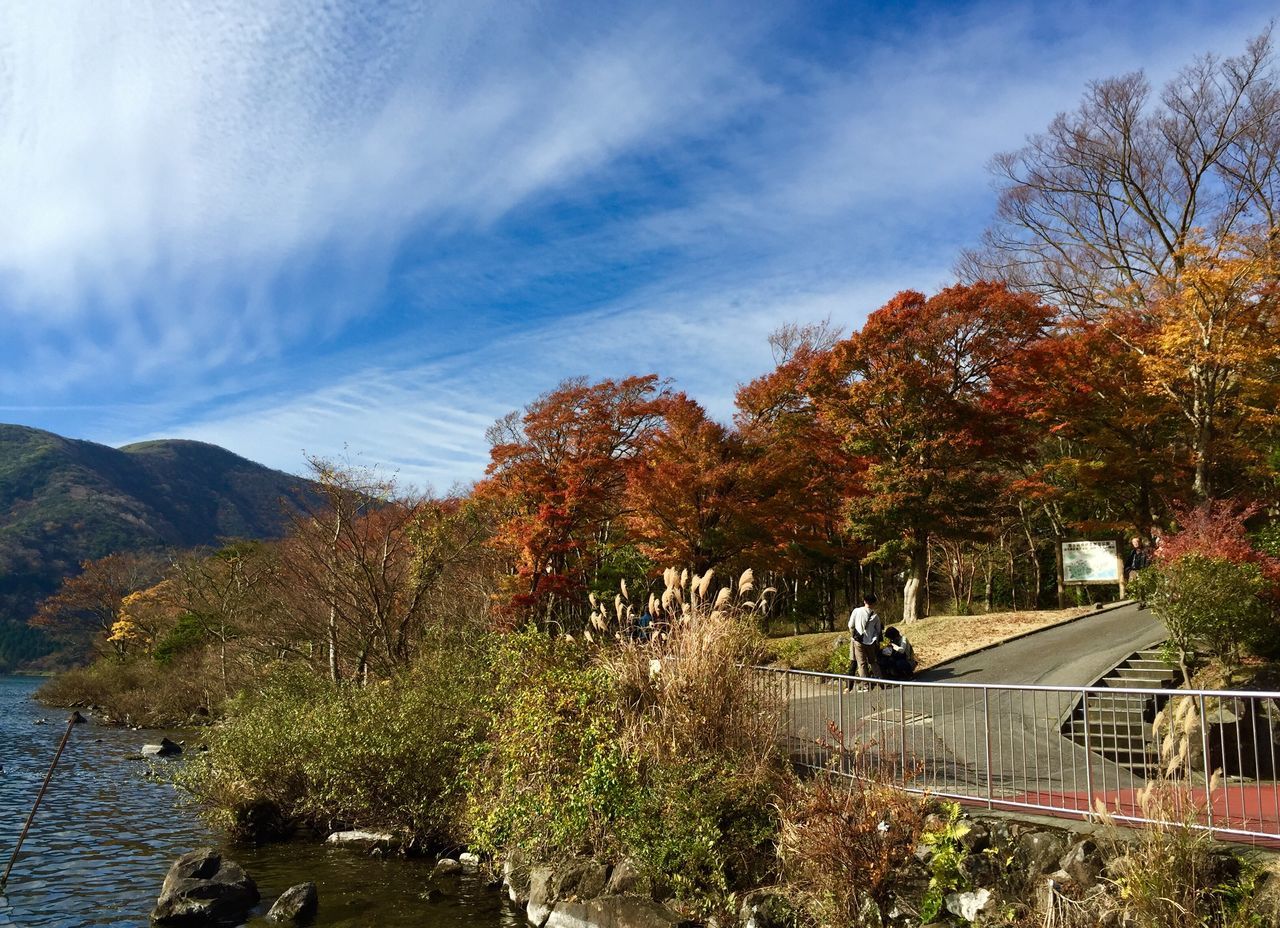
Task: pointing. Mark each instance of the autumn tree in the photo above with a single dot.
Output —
(1108, 456)
(87, 606)
(320, 559)
(912, 395)
(1210, 343)
(226, 594)
(1131, 209)
(692, 497)
(805, 474)
(557, 474)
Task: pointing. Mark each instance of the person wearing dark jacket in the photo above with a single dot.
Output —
(1139, 556)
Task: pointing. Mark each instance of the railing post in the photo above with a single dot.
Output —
(1208, 774)
(902, 732)
(986, 727)
(1088, 758)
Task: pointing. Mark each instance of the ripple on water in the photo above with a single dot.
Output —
(106, 834)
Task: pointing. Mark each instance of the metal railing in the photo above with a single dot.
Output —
(1075, 751)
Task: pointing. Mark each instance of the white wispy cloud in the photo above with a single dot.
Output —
(200, 202)
(173, 172)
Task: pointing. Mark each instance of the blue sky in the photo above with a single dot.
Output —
(285, 226)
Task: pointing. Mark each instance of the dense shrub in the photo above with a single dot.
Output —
(663, 749)
(1210, 605)
(1215, 590)
(1175, 875)
(393, 754)
(140, 691)
(555, 779)
(846, 836)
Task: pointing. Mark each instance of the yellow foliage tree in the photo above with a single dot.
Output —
(1209, 341)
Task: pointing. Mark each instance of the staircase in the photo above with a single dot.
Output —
(1119, 725)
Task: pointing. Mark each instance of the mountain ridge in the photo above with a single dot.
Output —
(66, 500)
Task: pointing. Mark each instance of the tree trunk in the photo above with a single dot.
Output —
(334, 674)
(912, 590)
(1200, 486)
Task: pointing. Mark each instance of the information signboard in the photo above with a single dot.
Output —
(1090, 562)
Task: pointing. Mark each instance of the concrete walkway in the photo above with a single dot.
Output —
(1075, 653)
(980, 734)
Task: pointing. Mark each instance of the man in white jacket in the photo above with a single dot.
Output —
(864, 639)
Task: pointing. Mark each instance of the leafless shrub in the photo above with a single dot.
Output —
(846, 836)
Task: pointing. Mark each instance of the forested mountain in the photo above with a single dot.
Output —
(63, 501)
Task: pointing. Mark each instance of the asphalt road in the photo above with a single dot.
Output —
(1075, 654)
(974, 740)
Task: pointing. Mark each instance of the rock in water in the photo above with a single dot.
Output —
(446, 866)
(165, 748)
(297, 904)
(364, 840)
(204, 889)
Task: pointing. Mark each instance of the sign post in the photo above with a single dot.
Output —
(1091, 562)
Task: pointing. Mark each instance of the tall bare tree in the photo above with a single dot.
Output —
(1116, 210)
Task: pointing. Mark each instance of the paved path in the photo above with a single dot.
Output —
(973, 737)
(1072, 654)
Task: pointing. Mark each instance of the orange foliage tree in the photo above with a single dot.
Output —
(693, 496)
(557, 476)
(806, 475)
(87, 606)
(913, 393)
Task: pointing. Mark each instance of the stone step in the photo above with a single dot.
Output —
(1126, 754)
(1119, 706)
(1151, 654)
(1110, 728)
(1162, 680)
(1105, 734)
(1134, 683)
(1138, 663)
(1149, 673)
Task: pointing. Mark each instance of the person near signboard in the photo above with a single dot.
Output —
(1139, 556)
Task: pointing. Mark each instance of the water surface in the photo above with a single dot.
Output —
(111, 825)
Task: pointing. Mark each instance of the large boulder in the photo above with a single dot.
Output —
(260, 820)
(515, 877)
(203, 889)
(297, 905)
(612, 912)
(165, 748)
(628, 878)
(1038, 852)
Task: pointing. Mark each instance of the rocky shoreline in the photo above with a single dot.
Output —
(1006, 868)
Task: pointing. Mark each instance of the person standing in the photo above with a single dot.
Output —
(1139, 557)
(864, 639)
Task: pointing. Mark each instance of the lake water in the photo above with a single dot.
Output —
(110, 826)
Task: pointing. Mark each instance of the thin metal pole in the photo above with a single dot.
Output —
(901, 731)
(76, 719)
(986, 727)
(1208, 777)
(1088, 756)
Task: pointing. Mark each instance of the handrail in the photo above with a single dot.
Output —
(1035, 687)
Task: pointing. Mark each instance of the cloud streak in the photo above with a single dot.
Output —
(287, 225)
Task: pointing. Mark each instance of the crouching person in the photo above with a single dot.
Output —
(897, 657)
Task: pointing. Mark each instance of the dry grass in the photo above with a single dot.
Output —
(691, 687)
(937, 639)
(845, 841)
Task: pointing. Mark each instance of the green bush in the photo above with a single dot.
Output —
(392, 755)
(1208, 604)
(839, 660)
(138, 691)
(662, 751)
(555, 781)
